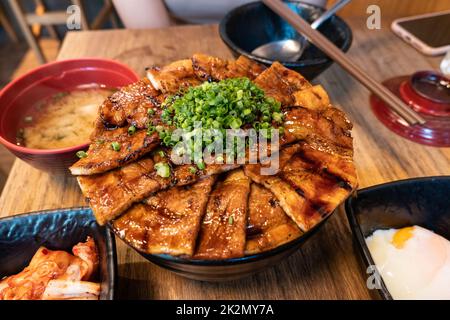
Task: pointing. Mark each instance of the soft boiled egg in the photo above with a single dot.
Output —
(414, 262)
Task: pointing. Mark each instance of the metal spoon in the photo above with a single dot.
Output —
(289, 49)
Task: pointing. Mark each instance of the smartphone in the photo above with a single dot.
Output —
(428, 33)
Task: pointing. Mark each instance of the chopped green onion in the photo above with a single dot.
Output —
(150, 112)
(228, 104)
(277, 117)
(235, 123)
(167, 140)
(131, 130)
(115, 146)
(162, 169)
(201, 165)
(81, 154)
(230, 220)
(150, 130)
(219, 159)
(192, 170)
(161, 153)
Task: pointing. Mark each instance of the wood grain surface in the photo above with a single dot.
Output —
(326, 267)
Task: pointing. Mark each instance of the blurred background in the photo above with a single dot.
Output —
(31, 31)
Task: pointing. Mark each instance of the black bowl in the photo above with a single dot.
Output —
(22, 235)
(228, 269)
(249, 26)
(421, 201)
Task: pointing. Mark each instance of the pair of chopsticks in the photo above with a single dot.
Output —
(339, 57)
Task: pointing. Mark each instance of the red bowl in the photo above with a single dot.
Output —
(60, 76)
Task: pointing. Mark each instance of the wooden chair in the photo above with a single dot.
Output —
(4, 22)
(50, 18)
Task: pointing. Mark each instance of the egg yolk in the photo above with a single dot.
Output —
(401, 236)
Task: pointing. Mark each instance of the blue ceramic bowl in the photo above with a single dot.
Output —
(421, 201)
(22, 235)
(249, 26)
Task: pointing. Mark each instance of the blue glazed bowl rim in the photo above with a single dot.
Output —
(356, 227)
(107, 234)
(348, 38)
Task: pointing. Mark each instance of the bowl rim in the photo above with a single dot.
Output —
(166, 258)
(56, 151)
(363, 249)
(111, 252)
(300, 63)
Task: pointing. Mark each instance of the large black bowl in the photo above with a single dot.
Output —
(252, 25)
(228, 269)
(22, 235)
(421, 201)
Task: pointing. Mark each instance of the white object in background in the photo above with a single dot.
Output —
(142, 14)
(445, 64)
(211, 11)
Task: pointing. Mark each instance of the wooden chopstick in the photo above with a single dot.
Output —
(338, 56)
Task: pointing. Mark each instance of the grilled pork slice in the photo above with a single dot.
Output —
(329, 125)
(337, 162)
(102, 157)
(130, 105)
(173, 77)
(168, 222)
(292, 202)
(210, 68)
(281, 83)
(222, 233)
(252, 68)
(184, 176)
(322, 189)
(111, 193)
(310, 185)
(339, 118)
(315, 98)
(268, 226)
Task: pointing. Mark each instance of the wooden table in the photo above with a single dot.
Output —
(326, 267)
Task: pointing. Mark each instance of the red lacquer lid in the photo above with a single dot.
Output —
(426, 92)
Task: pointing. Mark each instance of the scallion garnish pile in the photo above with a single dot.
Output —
(228, 104)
